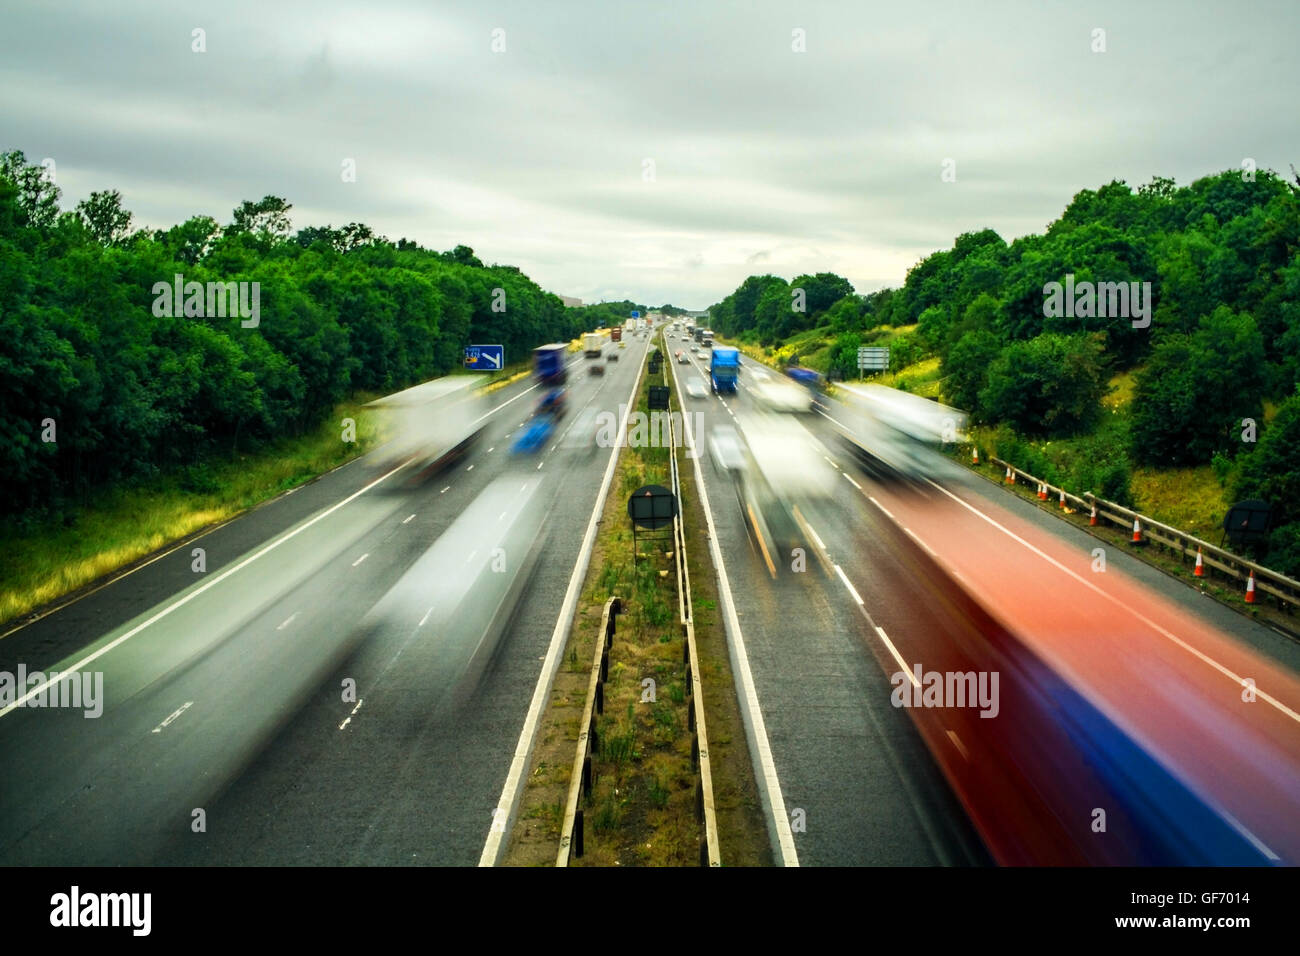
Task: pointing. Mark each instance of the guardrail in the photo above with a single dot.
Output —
(582, 778)
(1214, 558)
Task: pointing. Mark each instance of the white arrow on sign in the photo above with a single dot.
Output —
(488, 356)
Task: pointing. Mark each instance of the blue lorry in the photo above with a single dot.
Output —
(550, 373)
(723, 368)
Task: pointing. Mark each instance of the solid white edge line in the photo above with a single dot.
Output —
(769, 786)
(21, 701)
(495, 845)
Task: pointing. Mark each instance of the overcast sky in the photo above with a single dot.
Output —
(764, 159)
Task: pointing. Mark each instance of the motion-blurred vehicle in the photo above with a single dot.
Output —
(695, 388)
(724, 366)
(681, 356)
(612, 356)
(812, 380)
(467, 586)
(893, 433)
(596, 369)
(784, 477)
(616, 334)
(724, 445)
(433, 424)
(593, 343)
(782, 396)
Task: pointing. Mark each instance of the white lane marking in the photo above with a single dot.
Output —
(849, 584)
(346, 721)
(816, 537)
(1205, 658)
(769, 782)
(832, 464)
(849, 479)
(288, 621)
(21, 701)
(510, 792)
(492, 449)
(470, 468)
(360, 559)
(407, 518)
(889, 513)
(958, 744)
(897, 656)
(173, 715)
(539, 465)
(445, 490)
(425, 618)
(358, 707)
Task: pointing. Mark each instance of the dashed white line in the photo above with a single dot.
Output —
(849, 479)
(470, 468)
(445, 490)
(288, 621)
(360, 559)
(425, 618)
(897, 656)
(173, 715)
(492, 449)
(956, 741)
(887, 512)
(849, 584)
(407, 518)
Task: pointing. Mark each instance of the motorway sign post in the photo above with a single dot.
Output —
(873, 359)
(485, 358)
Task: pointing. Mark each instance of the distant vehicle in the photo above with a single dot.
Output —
(812, 380)
(622, 345)
(707, 339)
(596, 369)
(616, 334)
(695, 388)
(550, 372)
(723, 369)
(681, 356)
(593, 343)
(612, 356)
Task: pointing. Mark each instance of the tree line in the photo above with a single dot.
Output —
(1220, 259)
(99, 385)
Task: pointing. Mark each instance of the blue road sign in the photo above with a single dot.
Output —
(485, 358)
(636, 314)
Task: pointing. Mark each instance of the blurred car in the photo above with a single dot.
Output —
(596, 369)
(783, 397)
(611, 357)
(622, 344)
(724, 444)
(695, 388)
(534, 436)
(681, 356)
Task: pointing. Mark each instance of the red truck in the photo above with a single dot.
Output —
(616, 334)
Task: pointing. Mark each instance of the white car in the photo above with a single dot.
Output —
(695, 388)
(724, 443)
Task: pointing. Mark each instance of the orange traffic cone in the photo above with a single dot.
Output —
(975, 456)
(1042, 492)
(1062, 499)
(1011, 479)
(1137, 532)
(1250, 588)
(1093, 519)
(1200, 566)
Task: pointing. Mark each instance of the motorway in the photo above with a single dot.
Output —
(822, 646)
(224, 692)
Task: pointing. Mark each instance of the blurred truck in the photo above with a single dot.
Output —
(593, 343)
(550, 373)
(432, 424)
(894, 433)
(723, 369)
(616, 334)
